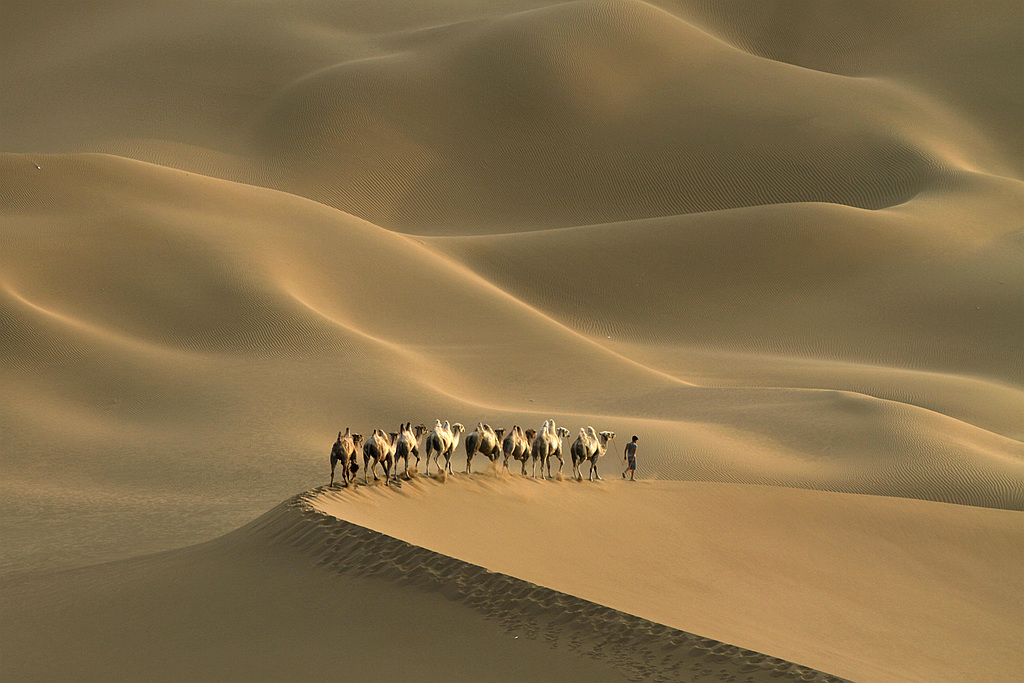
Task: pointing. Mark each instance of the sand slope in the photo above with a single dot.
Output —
(868, 588)
(245, 608)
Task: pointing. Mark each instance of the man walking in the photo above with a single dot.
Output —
(630, 457)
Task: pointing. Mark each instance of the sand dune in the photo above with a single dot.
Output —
(781, 243)
(248, 608)
(748, 565)
(619, 107)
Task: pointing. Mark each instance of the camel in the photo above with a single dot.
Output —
(408, 443)
(344, 451)
(437, 440)
(517, 445)
(589, 445)
(379, 448)
(485, 441)
(442, 440)
(548, 444)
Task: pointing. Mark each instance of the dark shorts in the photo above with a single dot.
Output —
(631, 464)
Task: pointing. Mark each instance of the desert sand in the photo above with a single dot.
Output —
(782, 243)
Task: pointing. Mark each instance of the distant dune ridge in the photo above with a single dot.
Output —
(783, 243)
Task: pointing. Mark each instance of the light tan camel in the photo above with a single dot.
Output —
(437, 441)
(517, 445)
(485, 441)
(408, 443)
(344, 451)
(379, 448)
(589, 445)
(442, 440)
(546, 445)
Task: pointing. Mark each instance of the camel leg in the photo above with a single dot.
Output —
(333, 464)
(469, 464)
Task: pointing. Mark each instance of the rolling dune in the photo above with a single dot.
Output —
(782, 244)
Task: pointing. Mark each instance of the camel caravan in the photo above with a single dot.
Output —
(540, 448)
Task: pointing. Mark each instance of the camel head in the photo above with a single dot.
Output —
(530, 434)
(457, 428)
(499, 432)
(357, 439)
(419, 430)
(562, 431)
(394, 437)
(607, 436)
